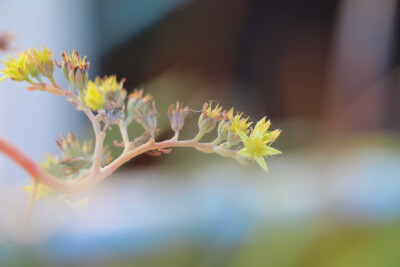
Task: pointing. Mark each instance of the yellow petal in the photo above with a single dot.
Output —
(261, 162)
(271, 151)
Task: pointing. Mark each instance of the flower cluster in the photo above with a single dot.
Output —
(234, 131)
(103, 90)
(75, 69)
(31, 63)
(105, 102)
(142, 109)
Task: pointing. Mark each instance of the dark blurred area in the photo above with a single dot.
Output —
(272, 55)
(325, 72)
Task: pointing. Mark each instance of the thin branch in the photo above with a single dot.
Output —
(151, 145)
(124, 134)
(31, 203)
(99, 135)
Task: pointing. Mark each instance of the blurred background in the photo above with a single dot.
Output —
(325, 72)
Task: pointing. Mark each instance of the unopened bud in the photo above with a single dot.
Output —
(43, 61)
(206, 125)
(148, 119)
(177, 115)
(75, 69)
(223, 130)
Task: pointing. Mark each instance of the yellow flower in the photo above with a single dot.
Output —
(94, 98)
(42, 191)
(214, 114)
(100, 91)
(235, 125)
(239, 124)
(257, 144)
(19, 68)
(110, 84)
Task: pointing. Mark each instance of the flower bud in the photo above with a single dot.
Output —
(43, 60)
(177, 115)
(206, 125)
(104, 90)
(137, 101)
(223, 130)
(75, 69)
(137, 104)
(148, 118)
(209, 118)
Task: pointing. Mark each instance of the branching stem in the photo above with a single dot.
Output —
(98, 173)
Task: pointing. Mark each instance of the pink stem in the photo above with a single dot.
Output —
(20, 158)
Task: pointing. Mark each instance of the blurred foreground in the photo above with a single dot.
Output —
(313, 209)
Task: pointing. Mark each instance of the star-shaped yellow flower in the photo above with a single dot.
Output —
(17, 68)
(257, 144)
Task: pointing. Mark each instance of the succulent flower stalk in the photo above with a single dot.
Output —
(80, 165)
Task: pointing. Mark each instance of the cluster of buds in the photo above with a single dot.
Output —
(71, 147)
(209, 119)
(236, 137)
(103, 90)
(138, 102)
(75, 156)
(43, 61)
(112, 113)
(177, 114)
(75, 69)
(251, 145)
(143, 110)
(148, 118)
(29, 65)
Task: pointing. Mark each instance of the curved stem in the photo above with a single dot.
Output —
(20, 158)
(151, 145)
(97, 173)
(124, 134)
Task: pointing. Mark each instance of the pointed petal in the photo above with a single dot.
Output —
(269, 151)
(261, 162)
